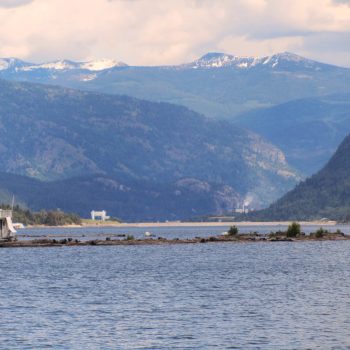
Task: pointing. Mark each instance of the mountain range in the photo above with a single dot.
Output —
(300, 108)
(55, 134)
(278, 95)
(217, 84)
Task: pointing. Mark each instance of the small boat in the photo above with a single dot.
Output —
(148, 234)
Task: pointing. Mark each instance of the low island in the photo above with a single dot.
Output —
(292, 234)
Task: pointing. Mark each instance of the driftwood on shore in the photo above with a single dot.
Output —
(251, 237)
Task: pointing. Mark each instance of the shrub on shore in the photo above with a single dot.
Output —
(320, 233)
(293, 230)
(233, 231)
(339, 233)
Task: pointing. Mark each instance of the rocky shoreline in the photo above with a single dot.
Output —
(129, 240)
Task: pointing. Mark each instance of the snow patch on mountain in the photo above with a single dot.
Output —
(56, 65)
(3, 64)
(62, 65)
(88, 77)
(280, 62)
(11, 63)
(220, 60)
(102, 64)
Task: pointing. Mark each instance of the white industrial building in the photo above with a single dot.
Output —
(102, 215)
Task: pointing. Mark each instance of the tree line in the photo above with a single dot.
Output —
(43, 217)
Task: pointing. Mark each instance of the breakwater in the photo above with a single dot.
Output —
(130, 240)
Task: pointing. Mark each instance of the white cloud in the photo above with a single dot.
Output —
(347, 2)
(172, 31)
(14, 3)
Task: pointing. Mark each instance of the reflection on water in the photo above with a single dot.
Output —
(206, 296)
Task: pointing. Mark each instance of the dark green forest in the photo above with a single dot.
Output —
(323, 195)
(43, 217)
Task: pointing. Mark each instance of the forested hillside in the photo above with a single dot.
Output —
(131, 201)
(51, 133)
(324, 195)
(308, 130)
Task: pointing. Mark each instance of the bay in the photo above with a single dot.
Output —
(204, 296)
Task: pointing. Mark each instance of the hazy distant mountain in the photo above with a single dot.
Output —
(217, 84)
(326, 194)
(308, 130)
(53, 133)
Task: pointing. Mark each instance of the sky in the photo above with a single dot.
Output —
(158, 32)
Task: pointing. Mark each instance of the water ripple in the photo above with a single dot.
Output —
(220, 296)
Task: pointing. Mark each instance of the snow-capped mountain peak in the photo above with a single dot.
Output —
(284, 59)
(11, 63)
(289, 56)
(56, 65)
(4, 64)
(60, 65)
(101, 64)
(219, 60)
(216, 59)
(213, 56)
(90, 70)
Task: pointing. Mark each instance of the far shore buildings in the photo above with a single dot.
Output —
(7, 231)
(243, 210)
(99, 215)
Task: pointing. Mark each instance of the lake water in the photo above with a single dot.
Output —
(88, 233)
(203, 296)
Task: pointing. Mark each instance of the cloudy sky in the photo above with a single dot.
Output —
(153, 32)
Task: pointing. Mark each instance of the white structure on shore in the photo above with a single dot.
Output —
(243, 210)
(102, 215)
(7, 231)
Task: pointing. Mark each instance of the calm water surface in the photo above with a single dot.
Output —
(205, 296)
(88, 233)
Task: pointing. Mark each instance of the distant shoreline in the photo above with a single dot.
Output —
(187, 224)
(231, 223)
